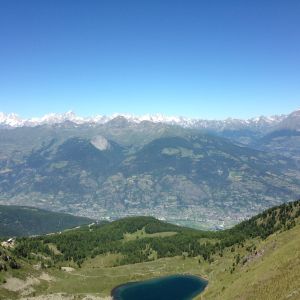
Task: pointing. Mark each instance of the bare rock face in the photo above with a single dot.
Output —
(100, 143)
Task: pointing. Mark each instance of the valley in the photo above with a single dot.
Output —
(206, 177)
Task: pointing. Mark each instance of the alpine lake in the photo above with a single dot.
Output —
(175, 287)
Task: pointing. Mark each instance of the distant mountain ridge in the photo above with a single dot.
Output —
(171, 168)
(13, 120)
(197, 176)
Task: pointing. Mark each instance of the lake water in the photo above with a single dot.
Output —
(176, 287)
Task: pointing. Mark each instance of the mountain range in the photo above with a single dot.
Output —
(207, 173)
(14, 120)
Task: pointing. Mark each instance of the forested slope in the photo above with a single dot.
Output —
(26, 221)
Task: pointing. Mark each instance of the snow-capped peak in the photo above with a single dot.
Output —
(53, 118)
(13, 120)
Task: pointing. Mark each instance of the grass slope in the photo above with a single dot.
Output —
(273, 273)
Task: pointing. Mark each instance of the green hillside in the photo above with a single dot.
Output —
(26, 221)
(271, 272)
(244, 262)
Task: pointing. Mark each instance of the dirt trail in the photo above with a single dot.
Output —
(61, 296)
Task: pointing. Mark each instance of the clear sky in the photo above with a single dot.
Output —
(196, 58)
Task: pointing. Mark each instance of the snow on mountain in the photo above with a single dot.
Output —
(292, 121)
(13, 120)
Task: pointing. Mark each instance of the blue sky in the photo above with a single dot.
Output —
(208, 58)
